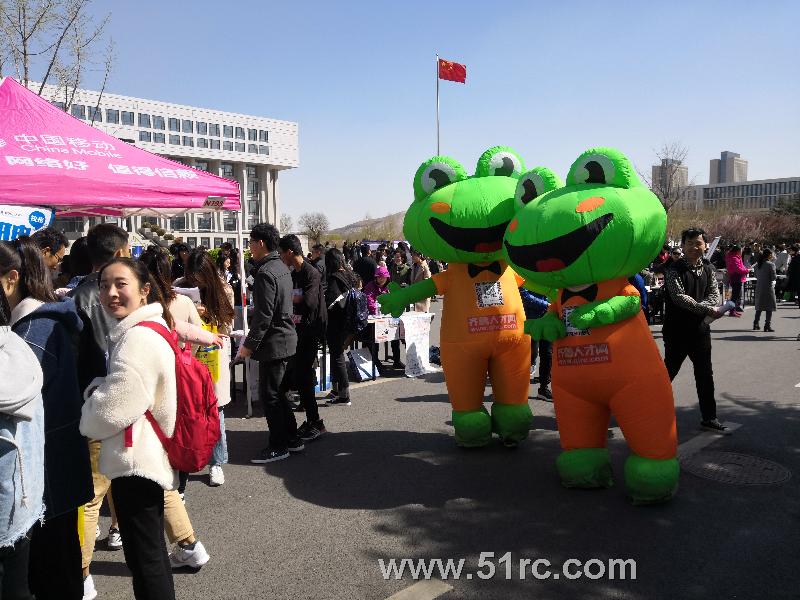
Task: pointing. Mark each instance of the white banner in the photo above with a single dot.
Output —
(16, 221)
(417, 333)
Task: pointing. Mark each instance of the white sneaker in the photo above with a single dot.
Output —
(194, 558)
(216, 476)
(114, 539)
(89, 593)
(183, 497)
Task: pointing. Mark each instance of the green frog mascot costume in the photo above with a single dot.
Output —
(584, 240)
(461, 219)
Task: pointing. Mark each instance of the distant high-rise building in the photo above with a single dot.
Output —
(670, 175)
(728, 168)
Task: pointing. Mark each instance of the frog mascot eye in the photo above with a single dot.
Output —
(603, 166)
(500, 161)
(435, 174)
(534, 184)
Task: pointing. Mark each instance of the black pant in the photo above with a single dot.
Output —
(277, 409)
(698, 349)
(339, 377)
(736, 294)
(544, 350)
(767, 318)
(304, 372)
(139, 504)
(55, 560)
(14, 570)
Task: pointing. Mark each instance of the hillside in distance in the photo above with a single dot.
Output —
(389, 227)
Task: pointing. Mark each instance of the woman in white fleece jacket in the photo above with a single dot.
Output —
(141, 377)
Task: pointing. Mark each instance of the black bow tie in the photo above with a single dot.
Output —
(475, 270)
(588, 294)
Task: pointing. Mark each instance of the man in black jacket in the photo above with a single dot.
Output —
(366, 265)
(690, 305)
(271, 341)
(310, 317)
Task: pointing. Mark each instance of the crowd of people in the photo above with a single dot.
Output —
(86, 373)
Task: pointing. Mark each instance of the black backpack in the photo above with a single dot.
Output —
(356, 311)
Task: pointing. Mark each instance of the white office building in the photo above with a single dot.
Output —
(249, 149)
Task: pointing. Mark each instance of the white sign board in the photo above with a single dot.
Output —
(417, 333)
(16, 221)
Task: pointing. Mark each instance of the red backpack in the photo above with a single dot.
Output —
(196, 419)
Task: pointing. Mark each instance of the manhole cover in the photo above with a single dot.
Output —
(736, 469)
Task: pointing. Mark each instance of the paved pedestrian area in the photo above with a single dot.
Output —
(389, 482)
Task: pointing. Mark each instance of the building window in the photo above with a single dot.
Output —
(217, 242)
(204, 242)
(263, 150)
(127, 117)
(201, 165)
(188, 141)
(144, 120)
(187, 126)
(782, 187)
(213, 129)
(215, 144)
(252, 148)
(793, 186)
(59, 105)
(191, 242)
(263, 136)
(145, 136)
(95, 114)
(177, 223)
(227, 131)
(158, 123)
(227, 146)
(158, 138)
(112, 116)
(251, 173)
(202, 128)
(175, 139)
(202, 143)
(174, 124)
(240, 146)
(204, 223)
(78, 111)
(232, 242)
(226, 171)
(229, 221)
(252, 135)
(69, 224)
(240, 133)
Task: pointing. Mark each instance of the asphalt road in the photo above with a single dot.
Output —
(387, 481)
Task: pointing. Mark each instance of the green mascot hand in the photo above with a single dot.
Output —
(395, 302)
(605, 312)
(549, 327)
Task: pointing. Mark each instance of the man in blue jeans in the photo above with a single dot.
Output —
(272, 340)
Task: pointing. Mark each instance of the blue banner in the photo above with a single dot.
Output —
(16, 221)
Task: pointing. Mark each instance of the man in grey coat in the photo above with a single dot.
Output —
(272, 340)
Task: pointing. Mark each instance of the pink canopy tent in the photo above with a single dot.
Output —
(50, 158)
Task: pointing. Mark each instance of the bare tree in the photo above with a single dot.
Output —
(51, 41)
(314, 225)
(669, 179)
(286, 224)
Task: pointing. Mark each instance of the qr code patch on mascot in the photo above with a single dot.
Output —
(489, 293)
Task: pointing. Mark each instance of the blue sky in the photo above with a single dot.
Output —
(549, 79)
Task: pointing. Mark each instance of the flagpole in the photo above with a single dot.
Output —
(437, 105)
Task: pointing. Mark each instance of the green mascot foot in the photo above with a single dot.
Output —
(650, 481)
(511, 422)
(585, 468)
(473, 427)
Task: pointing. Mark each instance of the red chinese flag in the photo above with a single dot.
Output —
(452, 71)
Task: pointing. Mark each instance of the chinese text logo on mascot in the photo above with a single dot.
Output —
(584, 240)
(461, 219)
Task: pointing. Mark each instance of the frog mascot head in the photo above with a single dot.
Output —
(461, 219)
(585, 239)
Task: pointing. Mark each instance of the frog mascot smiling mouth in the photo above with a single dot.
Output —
(584, 240)
(461, 219)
